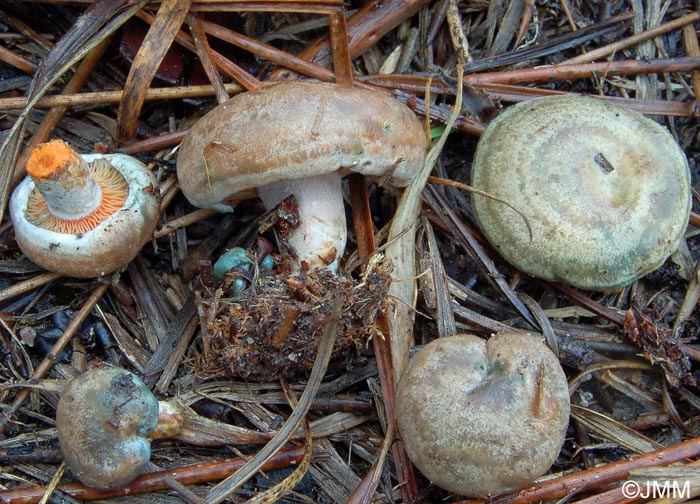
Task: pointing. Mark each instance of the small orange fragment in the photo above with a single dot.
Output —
(49, 158)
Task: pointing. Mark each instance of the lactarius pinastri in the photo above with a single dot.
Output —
(104, 419)
(107, 417)
(300, 138)
(482, 417)
(83, 215)
(605, 190)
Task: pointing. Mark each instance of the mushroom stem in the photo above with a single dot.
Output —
(64, 179)
(176, 420)
(319, 240)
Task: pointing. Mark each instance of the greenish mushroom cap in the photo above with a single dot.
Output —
(605, 190)
(103, 420)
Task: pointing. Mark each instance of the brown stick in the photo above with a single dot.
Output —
(365, 28)
(227, 66)
(366, 246)
(11, 58)
(105, 97)
(268, 52)
(151, 482)
(585, 70)
(342, 64)
(27, 285)
(609, 49)
(548, 73)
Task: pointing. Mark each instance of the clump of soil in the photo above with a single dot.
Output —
(271, 330)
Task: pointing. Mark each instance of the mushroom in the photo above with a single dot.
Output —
(104, 419)
(606, 191)
(300, 138)
(83, 216)
(107, 417)
(482, 417)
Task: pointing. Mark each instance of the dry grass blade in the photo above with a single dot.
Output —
(443, 306)
(633, 40)
(482, 259)
(160, 36)
(100, 21)
(325, 348)
(203, 49)
(364, 492)
(690, 301)
(556, 45)
(284, 487)
(401, 252)
(614, 431)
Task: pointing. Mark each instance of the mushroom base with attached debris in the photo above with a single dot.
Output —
(272, 329)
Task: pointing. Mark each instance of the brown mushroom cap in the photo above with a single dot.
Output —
(297, 129)
(605, 190)
(482, 417)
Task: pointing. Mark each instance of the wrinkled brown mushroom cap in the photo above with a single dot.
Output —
(103, 420)
(297, 129)
(605, 190)
(482, 417)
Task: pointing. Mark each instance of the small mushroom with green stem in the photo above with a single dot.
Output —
(300, 138)
(107, 417)
(482, 417)
(83, 215)
(602, 193)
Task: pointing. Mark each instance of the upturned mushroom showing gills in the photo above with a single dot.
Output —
(605, 190)
(483, 417)
(300, 138)
(83, 216)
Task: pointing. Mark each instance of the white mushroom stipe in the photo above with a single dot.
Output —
(71, 193)
(322, 230)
